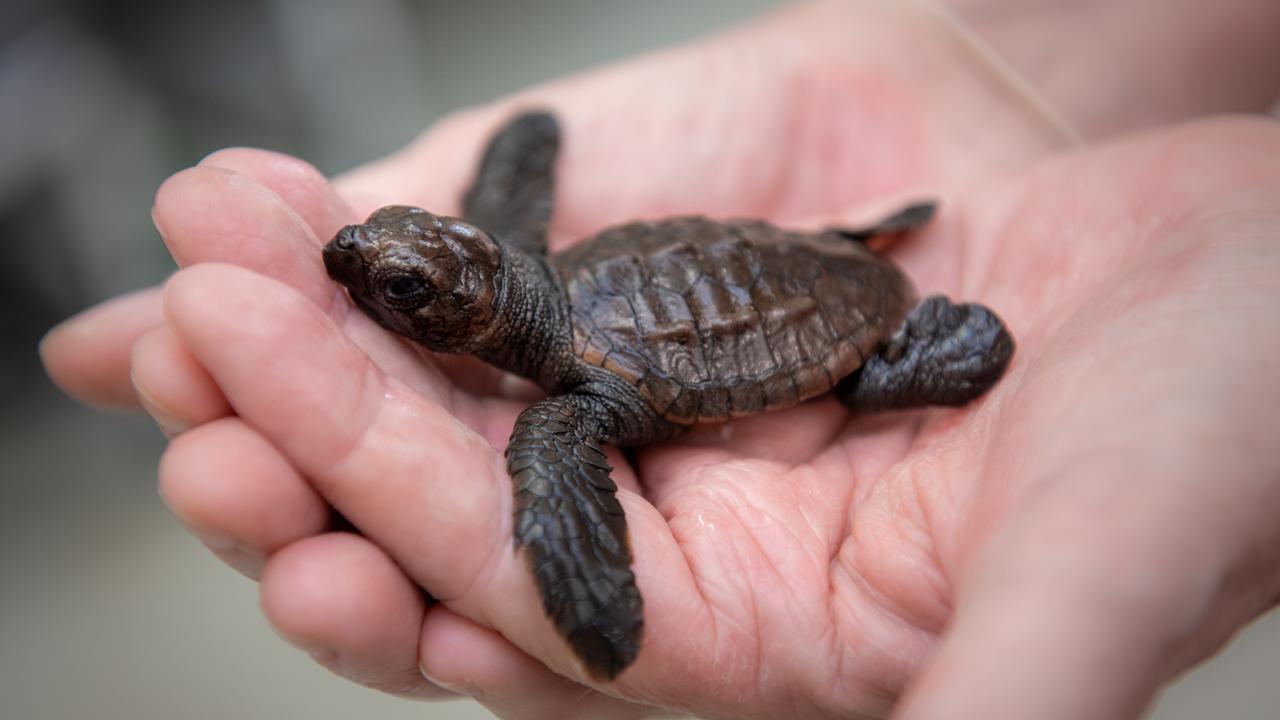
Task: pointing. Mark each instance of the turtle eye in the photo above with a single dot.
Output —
(406, 290)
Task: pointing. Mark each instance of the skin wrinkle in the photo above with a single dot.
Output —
(878, 598)
(490, 418)
(344, 454)
(828, 533)
(843, 531)
(797, 537)
(832, 543)
(711, 616)
(906, 426)
(960, 506)
(362, 330)
(350, 462)
(244, 244)
(941, 583)
(852, 643)
(761, 552)
(489, 569)
(753, 610)
(324, 324)
(908, 482)
(829, 432)
(836, 668)
(714, 613)
(837, 683)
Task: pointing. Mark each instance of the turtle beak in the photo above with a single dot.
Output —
(342, 256)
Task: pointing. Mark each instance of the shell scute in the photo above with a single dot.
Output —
(714, 320)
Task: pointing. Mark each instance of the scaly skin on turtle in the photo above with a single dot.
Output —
(642, 331)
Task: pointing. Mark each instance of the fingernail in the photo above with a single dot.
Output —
(458, 687)
(155, 221)
(242, 558)
(324, 656)
(217, 541)
(66, 328)
(43, 345)
(170, 424)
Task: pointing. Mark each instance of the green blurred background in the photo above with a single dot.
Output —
(107, 608)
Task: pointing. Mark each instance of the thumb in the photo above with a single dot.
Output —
(1084, 606)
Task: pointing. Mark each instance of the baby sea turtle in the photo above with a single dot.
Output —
(639, 333)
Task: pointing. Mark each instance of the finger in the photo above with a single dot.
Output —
(88, 355)
(208, 214)
(477, 661)
(1069, 618)
(291, 374)
(237, 494)
(214, 304)
(1124, 557)
(211, 214)
(345, 602)
(172, 387)
(339, 597)
(299, 184)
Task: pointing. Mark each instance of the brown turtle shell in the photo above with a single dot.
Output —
(712, 320)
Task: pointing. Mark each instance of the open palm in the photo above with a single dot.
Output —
(799, 563)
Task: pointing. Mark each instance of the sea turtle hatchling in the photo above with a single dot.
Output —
(640, 332)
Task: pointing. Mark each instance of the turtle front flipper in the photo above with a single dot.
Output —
(511, 194)
(570, 523)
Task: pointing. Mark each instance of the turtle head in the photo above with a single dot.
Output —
(430, 278)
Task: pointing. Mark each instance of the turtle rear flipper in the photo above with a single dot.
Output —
(570, 523)
(907, 219)
(512, 191)
(944, 354)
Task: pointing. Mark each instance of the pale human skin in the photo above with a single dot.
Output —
(1102, 520)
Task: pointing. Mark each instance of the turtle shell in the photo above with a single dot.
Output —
(712, 320)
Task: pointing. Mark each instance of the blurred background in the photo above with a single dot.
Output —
(107, 608)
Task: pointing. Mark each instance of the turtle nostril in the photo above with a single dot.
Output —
(349, 237)
(342, 256)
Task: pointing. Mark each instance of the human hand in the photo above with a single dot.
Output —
(1102, 520)
(344, 594)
